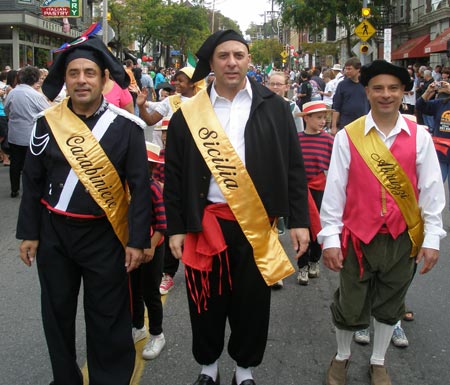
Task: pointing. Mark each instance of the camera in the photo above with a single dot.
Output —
(438, 84)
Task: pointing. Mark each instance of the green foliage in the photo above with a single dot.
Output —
(314, 15)
(266, 51)
(180, 26)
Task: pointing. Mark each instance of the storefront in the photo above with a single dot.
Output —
(27, 39)
(412, 49)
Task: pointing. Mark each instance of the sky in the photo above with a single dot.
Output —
(244, 11)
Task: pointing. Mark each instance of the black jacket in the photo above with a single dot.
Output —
(273, 160)
(46, 170)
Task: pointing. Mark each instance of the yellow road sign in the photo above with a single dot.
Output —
(283, 54)
(365, 30)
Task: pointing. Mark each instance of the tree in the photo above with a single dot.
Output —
(266, 51)
(186, 29)
(120, 24)
(315, 15)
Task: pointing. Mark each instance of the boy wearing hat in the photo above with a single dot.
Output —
(316, 147)
(233, 164)
(375, 231)
(75, 219)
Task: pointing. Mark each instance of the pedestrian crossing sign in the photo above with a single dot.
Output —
(365, 30)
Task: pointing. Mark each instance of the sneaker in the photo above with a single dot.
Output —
(153, 347)
(362, 336)
(139, 334)
(399, 338)
(314, 270)
(302, 277)
(166, 284)
(278, 285)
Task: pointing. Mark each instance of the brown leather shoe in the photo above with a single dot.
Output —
(379, 375)
(337, 372)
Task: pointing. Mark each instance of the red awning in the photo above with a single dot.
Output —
(439, 44)
(412, 48)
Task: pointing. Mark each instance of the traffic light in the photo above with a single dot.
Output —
(365, 12)
(364, 48)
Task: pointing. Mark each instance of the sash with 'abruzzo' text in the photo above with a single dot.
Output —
(237, 187)
(392, 177)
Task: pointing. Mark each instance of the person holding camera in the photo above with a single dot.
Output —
(439, 109)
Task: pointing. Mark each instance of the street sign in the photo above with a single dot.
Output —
(357, 49)
(283, 54)
(365, 30)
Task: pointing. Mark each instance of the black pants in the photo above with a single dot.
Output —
(246, 306)
(171, 264)
(71, 251)
(145, 281)
(314, 251)
(17, 158)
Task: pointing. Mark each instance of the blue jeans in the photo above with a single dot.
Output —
(445, 171)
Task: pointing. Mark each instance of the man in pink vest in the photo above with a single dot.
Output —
(375, 232)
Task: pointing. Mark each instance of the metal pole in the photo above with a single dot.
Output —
(105, 21)
(213, 12)
(363, 57)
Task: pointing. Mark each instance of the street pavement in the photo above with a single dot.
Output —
(301, 338)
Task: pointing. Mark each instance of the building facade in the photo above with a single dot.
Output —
(28, 38)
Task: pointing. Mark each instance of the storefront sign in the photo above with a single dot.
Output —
(61, 8)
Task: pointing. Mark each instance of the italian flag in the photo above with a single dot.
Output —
(191, 62)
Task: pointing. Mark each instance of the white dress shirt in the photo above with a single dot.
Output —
(233, 116)
(429, 184)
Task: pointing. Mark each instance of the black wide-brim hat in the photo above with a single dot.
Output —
(205, 52)
(91, 48)
(383, 67)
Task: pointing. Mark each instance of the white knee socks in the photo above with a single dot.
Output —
(382, 337)
(344, 341)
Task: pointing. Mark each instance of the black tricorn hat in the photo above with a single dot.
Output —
(202, 69)
(383, 67)
(91, 48)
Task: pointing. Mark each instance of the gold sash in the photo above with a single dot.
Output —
(175, 102)
(91, 164)
(392, 177)
(237, 188)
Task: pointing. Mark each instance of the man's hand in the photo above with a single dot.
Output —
(430, 258)
(300, 240)
(142, 97)
(176, 243)
(333, 258)
(28, 250)
(133, 258)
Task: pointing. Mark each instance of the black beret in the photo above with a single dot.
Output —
(383, 67)
(91, 48)
(205, 52)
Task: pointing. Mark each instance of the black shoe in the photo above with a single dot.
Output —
(245, 382)
(204, 379)
(14, 194)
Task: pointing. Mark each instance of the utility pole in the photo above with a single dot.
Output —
(362, 56)
(105, 22)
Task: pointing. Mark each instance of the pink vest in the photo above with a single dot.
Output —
(363, 213)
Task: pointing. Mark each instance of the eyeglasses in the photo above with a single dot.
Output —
(277, 84)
